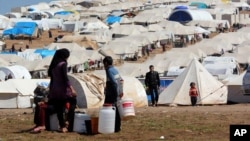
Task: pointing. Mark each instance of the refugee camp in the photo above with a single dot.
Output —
(124, 70)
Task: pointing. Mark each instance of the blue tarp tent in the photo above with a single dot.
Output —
(113, 19)
(186, 15)
(21, 28)
(45, 52)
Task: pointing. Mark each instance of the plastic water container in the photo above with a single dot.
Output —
(126, 108)
(79, 122)
(54, 123)
(106, 122)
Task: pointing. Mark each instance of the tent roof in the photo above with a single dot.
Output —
(16, 71)
(69, 46)
(24, 87)
(186, 15)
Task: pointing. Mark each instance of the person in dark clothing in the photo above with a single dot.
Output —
(152, 82)
(113, 90)
(40, 96)
(50, 34)
(30, 40)
(13, 48)
(60, 89)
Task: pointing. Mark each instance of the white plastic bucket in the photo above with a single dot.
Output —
(126, 109)
(54, 123)
(106, 122)
(79, 122)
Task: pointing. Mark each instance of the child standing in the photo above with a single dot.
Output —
(193, 93)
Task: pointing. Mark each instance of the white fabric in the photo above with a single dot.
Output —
(211, 91)
(17, 93)
(90, 90)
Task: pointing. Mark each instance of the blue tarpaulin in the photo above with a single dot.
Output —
(31, 9)
(164, 83)
(180, 7)
(45, 52)
(63, 13)
(180, 16)
(21, 28)
(113, 19)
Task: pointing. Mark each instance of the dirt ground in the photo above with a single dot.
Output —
(42, 41)
(182, 123)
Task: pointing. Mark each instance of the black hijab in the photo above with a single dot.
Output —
(59, 56)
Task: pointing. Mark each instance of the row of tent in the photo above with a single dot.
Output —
(18, 93)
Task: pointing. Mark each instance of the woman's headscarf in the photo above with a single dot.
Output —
(59, 56)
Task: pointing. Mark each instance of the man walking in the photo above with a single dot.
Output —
(152, 82)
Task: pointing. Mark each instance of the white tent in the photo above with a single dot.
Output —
(235, 90)
(118, 47)
(91, 25)
(132, 69)
(128, 29)
(211, 91)
(13, 15)
(47, 24)
(4, 22)
(16, 72)
(11, 58)
(17, 93)
(90, 90)
(186, 15)
(38, 7)
(69, 46)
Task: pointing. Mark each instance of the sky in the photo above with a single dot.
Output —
(6, 5)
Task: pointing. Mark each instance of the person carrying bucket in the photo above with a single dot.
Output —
(113, 89)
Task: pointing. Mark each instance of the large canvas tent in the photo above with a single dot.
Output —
(18, 93)
(90, 90)
(16, 72)
(186, 15)
(211, 91)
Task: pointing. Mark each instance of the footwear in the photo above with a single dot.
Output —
(63, 130)
(38, 129)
